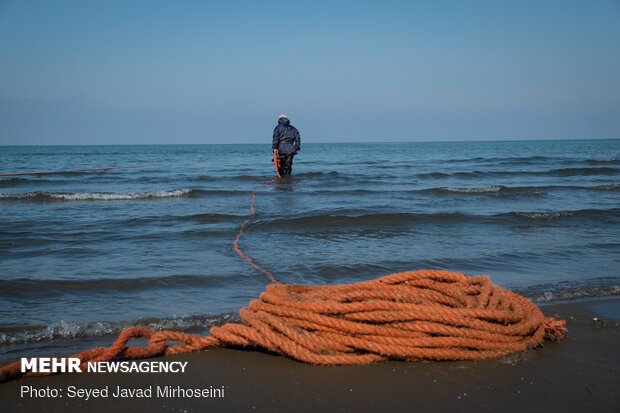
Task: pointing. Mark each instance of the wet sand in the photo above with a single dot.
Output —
(578, 374)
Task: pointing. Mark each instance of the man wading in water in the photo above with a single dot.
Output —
(286, 141)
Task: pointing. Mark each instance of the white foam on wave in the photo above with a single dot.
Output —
(73, 330)
(545, 215)
(571, 293)
(96, 196)
(606, 160)
(491, 188)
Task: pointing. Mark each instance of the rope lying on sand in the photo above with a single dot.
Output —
(418, 315)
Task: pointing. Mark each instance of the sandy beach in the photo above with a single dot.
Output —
(577, 374)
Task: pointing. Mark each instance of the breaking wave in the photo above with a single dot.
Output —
(72, 330)
(551, 215)
(520, 190)
(97, 196)
(553, 293)
(485, 189)
(609, 161)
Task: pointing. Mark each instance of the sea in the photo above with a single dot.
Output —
(86, 254)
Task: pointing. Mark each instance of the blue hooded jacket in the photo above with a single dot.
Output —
(286, 137)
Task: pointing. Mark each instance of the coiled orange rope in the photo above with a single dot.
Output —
(434, 315)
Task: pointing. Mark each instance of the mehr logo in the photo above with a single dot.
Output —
(51, 365)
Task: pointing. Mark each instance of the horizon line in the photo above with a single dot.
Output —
(321, 142)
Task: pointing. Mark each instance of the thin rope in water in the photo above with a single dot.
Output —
(244, 225)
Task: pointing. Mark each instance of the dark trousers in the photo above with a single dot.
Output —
(286, 164)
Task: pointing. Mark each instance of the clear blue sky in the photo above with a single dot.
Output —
(97, 72)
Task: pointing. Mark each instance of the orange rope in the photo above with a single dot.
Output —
(244, 225)
(276, 161)
(418, 315)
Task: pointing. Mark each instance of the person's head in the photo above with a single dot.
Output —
(283, 120)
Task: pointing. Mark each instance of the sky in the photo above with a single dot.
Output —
(152, 72)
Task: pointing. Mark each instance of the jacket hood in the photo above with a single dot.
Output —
(284, 121)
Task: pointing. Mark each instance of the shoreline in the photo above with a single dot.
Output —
(580, 373)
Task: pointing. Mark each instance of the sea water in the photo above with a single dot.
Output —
(84, 255)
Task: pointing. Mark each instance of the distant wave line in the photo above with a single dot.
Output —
(520, 190)
(553, 172)
(353, 220)
(72, 170)
(28, 286)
